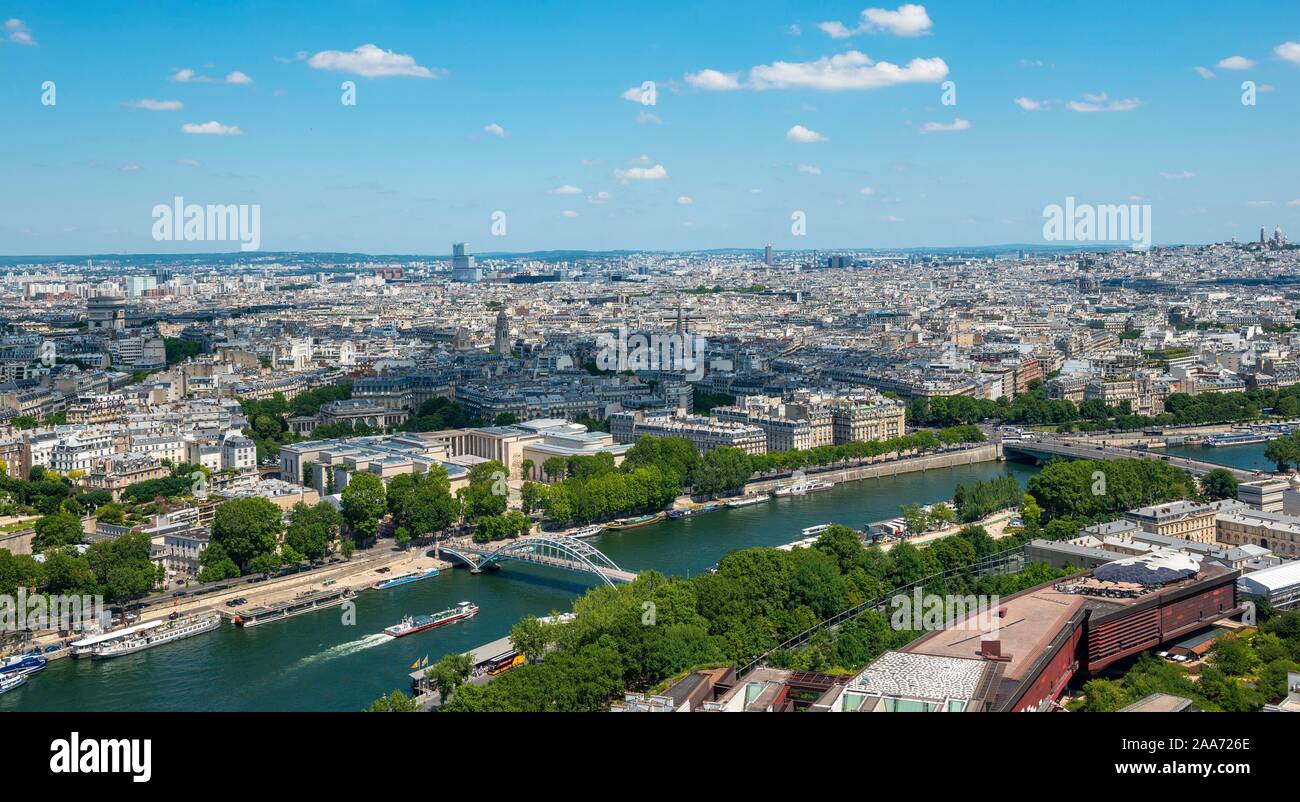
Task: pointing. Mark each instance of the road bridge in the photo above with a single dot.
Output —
(1048, 448)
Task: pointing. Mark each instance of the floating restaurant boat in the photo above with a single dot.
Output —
(745, 501)
(1237, 439)
(809, 531)
(802, 487)
(587, 531)
(86, 646)
(413, 624)
(172, 631)
(297, 606)
(413, 576)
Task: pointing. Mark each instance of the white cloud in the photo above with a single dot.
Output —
(599, 198)
(756, 191)
(1031, 63)
(867, 191)
(188, 163)
(958, 124)
(567, 189)
(907, 20)
(713, 80)
(1029, 104)
(185, 75)
(889, 218)
(18, 32)
(1288, 51)
(1102, 102)
(794, 30)
(685, 200)
(836, 30)
(810, 169)
(371, 61)
(798, 133)
(1259, 203)
(1204, 73)
(843, 71)
(633, 94)
(149, 104)
(851, 70)
(1181, 175)
(648, 118)
(212, 128)
(494, 129)
(655, 173)
(569, 213)
(1235, 63)
(1295, 202)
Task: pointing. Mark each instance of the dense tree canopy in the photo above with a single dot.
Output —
(246, 528)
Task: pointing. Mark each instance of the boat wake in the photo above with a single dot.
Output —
(345, 649)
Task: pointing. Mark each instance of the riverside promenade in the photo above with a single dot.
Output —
(968, 455)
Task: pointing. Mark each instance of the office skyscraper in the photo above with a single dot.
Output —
(462, 265)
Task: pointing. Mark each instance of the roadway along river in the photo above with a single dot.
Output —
(314, 662)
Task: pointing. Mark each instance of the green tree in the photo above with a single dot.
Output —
(312, 529)
(395, 702)
(722, 470)
(246, 528)
(449, 673)
(531, 637)
(215, 564)
(59, 529)
(487, 492)
(124, 568)
(1219, 483)
(1284, 451)
(554, 468)
(364, 503)
(429, 506)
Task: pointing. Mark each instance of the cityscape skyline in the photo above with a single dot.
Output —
(914, 126)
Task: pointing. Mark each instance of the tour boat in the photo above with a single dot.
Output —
(802, 487)
(414, 576)
(10, 681)
(747, 500)
(413, 624)
(22, 664)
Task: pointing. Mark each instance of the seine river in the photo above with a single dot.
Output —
(314, 662)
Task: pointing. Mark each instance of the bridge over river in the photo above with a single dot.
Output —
(1047, 448)
(556, 551)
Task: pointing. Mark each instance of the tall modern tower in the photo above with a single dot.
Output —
(462, 265)
(767, 256)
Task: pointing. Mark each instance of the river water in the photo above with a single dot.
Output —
(314, 662)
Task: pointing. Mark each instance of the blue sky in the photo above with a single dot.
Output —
(1123, 117)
